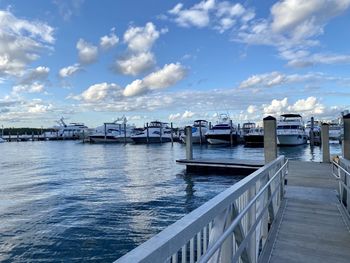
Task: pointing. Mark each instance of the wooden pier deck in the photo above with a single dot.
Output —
(224, 166)
(312, 225)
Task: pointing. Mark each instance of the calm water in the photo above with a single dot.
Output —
(67, 201)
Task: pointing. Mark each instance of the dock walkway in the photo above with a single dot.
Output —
(312, 226)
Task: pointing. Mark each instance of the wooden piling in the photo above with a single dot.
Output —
(172, 136)
(200, 132)
(270, 139)
(189, 148)
(312, 135)
(231, 139)
(105, 130)
(346, 140)
(147, 131)
(325, 143)
(124, 132)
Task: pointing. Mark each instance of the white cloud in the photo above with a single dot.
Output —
(21, 42)
(38, 74)
(87, 52)
(101, 92)
(68, 9)
(169, 75)
(173, 117)
(39, 108)
(197, 15)
(276, 106)
(141, 39)
(70, 70)
(109, 41)
(135, 64)
(188, 114)
(252, 109)
(35, 87)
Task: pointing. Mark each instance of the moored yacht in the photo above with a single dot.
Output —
(199, 129)
(255, 137)
(222, 133)
(156, 132)
(290, 130)
(335, 130)
(114, 132)
(71, 131)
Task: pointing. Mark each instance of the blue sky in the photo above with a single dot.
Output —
(94, 61)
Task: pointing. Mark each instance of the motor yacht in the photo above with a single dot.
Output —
(254, 137)
(290, 130)
(222, 132)
(199, 129)
(113, 132)
(155, 132)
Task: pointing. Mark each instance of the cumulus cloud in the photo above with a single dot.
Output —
(175, 116)
(138, 58)
(109, 41)
(169, 75)
(35, 87)
(38, 74)
(135, 64)
(101, 92)
(141, 39)
(21, 42)
(69, 71)
(188, 114)
(87, 52)
(68, 9)
(220, 16)
(277, 79)
(252, 109)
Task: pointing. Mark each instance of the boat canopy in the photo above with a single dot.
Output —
(291, 115)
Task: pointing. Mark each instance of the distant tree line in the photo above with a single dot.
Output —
(21, 131)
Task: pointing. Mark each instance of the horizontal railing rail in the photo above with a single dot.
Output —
(341, 171)
(231, 227)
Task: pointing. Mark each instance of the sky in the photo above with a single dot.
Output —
(174, 61)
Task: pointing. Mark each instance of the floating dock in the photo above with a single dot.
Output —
(222, 166)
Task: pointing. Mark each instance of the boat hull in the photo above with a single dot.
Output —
(254, 140)
(221, 138)
(195, 139)
(142, 140)
(108, 139)
(291, 139)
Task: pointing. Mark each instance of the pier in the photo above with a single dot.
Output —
(286, 211)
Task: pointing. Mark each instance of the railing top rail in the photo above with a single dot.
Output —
(159, 247)
(341, 168)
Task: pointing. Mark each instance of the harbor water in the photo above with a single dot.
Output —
(65, 201)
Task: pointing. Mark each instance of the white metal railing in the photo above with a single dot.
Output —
(231, 227)
(341, 171)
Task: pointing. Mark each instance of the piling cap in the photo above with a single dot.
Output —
(325, 123)
(269, 118)
(347, 116)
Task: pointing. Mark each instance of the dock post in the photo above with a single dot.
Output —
(325, 143)
(160, 133)
(270, 139)
(200, 132)
(33, 136)
(312, 135)
(209, 125)
(9, 136)
(105, 130)
(346, 140)
(124, 132)
(172, 135)
(147, 133)
(17, 136)
(231, 139)
(189, 149)
(83, 136)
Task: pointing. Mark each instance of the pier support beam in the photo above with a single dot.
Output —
(312, 135)
(189, 149)
(325, 143)
(346, 140)
(270, 139)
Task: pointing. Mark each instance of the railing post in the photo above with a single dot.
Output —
(325, 143)
(270, 139)
(189, 148)
(346, 141)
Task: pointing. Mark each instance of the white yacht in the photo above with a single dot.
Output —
(114, 132)
(290, 130)
(222, 132)
(199, 129)
(70, 131)
(156, 132)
